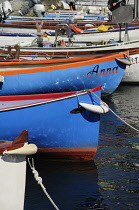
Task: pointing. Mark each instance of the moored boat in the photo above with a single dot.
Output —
(22, 39)
(23, 77)
(79, 48)
(62, 125)
(13, 170)
(29, 26)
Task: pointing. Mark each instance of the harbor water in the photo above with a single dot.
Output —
(111, 181)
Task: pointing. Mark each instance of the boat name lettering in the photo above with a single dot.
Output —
(135, 60)
(100, 72)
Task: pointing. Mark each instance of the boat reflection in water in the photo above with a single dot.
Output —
(72, 185)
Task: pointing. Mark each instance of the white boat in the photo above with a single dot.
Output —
(80, 48)
(21, 39)
(131, 75)
(13, 171)
(99, 36)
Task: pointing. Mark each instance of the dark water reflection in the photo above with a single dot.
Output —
(71, 185)
(111, 181)
(117, 159)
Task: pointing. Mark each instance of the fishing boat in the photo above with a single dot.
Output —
(29, 26)
(59, 75)
(62, 125)
(13, 170)
(130, 73)
(71, 47)
(79, 37)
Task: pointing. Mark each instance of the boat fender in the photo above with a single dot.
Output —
(75, 29)
(100, 109)
(1, 78)
(104, 28)
(28, 149)
(124, 61)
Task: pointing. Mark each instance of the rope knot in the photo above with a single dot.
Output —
(39, 180)
(36, 176)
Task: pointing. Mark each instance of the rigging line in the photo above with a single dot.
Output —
(116, 114)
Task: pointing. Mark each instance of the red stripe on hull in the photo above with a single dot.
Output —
(74, 153)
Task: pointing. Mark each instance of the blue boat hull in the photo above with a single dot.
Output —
(67, 77)
(54, 129)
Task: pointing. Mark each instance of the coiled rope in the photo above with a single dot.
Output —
(116, 114)
(39, 180)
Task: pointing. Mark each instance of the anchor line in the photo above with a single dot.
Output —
(116, 114)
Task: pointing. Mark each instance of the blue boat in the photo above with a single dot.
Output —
(62, 75)
(62, 125)
(61, 16)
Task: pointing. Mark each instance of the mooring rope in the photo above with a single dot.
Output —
(116, 114)
(39, 180)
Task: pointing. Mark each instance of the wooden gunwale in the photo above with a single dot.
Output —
(34, 62)
(51, 25)
(65, 66)
(49, 96)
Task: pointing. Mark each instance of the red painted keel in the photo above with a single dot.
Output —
(75, 153)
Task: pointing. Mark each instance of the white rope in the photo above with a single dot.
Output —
(116, 114)
(39, 180)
